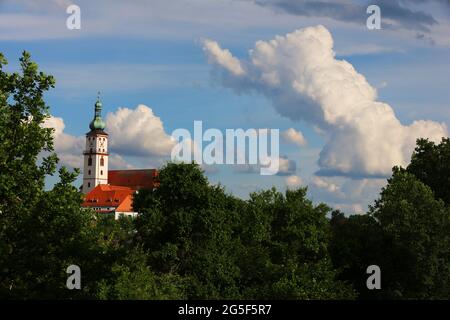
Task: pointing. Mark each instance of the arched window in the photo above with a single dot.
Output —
(102, 162)
(90, 161)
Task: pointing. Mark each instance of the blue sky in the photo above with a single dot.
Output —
(151, 53)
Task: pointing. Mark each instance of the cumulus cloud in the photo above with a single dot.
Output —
(118, 162)
(349, 195)
(68, 148)
(132, 132)
(293, 181)
(324, 184)
(138, 132)
(222, 57)
(286, 166)
(293, 136)
(299, 73)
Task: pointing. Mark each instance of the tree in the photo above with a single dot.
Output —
(41, 232)
(133, 279)
(406, 232)
(22, 111)
(22, 138)
(430, 164)
(358, 241)
(187, 226)
(285, 254)
(272, 246)
(419, 227)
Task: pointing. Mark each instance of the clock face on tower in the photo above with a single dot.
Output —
(102, 144)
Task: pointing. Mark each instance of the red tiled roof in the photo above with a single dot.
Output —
(135, 179)
(104, 195)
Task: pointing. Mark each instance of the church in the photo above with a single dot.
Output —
(109, 191)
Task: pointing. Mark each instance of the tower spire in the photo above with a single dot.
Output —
(96, 152)
(97, 123)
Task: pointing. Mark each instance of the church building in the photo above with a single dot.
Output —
(109, 191)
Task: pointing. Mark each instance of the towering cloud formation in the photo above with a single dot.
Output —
(301, 76)
(138, 132)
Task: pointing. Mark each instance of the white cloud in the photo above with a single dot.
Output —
(293, 136)
(222, 57)
(301, 76)
(293, 181)
(350, 195)
(138, 132)
(68, 148)
(286, 166)
(324, 184)
(118, 162)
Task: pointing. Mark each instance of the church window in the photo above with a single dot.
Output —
(102, 161)
(90, 161)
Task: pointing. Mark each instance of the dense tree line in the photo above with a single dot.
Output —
(193, 240)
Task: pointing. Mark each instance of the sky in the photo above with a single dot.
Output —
(349, 101)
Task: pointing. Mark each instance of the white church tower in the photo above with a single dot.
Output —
(96, 152)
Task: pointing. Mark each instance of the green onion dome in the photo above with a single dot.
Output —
(97, 123)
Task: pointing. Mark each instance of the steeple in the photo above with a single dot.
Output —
(97, 123)
(96, 152)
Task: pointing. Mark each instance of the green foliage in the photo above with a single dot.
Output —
(133, 280)
(284, 249)
(41, 232)
(430, 163)
(22, 138)
(272, 246)
(419, 227)
(187, 226)
(37, 238)
(192, 240)
(44, 241)
(406, 233)
(357, 243)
